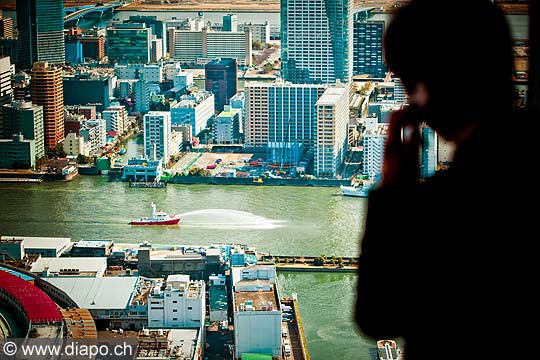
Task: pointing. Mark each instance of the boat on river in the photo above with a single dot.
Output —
(158, 218)
(356, 189)
(387, 350)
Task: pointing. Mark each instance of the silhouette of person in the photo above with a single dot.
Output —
(444, 264)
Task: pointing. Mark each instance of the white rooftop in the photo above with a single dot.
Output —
(93, 243)
(33, 242)
(97, 293)
(331, 96)
(178, 278)
(82, 264)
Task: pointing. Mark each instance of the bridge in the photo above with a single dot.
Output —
(100, 7)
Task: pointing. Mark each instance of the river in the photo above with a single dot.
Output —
(279, 220)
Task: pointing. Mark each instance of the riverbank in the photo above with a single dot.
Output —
(214, 6)
(209, 180)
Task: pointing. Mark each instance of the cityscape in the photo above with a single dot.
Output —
(189, 180)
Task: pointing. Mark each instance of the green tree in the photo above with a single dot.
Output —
(267, 67)
(256, 45)
(81, 159)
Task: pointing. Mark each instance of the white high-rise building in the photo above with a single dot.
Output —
(282, 112)
(200, 47)
(181, 304)
(373, 141)
(115, 119)
(316, 41)
(257, 312)
(332, 127)
(157, 135)
(141, 94)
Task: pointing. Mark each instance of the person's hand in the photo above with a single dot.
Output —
(401, 155)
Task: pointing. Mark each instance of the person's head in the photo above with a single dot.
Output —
(456, 57)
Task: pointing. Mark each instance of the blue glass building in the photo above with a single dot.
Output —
(41, 31)
(316, 41)
(367, 48)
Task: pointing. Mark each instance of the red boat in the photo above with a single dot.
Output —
(158, 218)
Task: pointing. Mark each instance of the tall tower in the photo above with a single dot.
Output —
(157, 135)
(47, 91)
(316, 41)
(230, 22)
(6, 92)
(41, 31)
(221, 79)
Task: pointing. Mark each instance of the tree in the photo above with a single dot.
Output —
(256, 45)
(81, 159)
(267, 67)
(56, 152)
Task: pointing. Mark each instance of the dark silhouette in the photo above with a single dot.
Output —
(446, 264)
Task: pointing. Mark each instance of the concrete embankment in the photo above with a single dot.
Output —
(293, 263)
(263, 182)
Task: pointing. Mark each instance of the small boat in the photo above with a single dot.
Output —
(158, 218)
(122, 151)
(357, 189)
(387, 350)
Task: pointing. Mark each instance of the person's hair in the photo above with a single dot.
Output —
(461, 50)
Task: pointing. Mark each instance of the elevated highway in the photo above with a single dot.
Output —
(99, 7)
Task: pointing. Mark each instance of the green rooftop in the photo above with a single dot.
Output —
(229, 113)
(249, 356)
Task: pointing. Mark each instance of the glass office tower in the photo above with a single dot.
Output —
(316, 41)
(41, 31)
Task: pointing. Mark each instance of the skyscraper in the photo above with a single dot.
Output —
(23, 117)
(221, 79)
(41, 31)
(47, 91)
(6, 93)
(6, 26)
(129, 43)
(316, 41)
(367, 48)
(230, 22)
(157, 135)
(282, 112)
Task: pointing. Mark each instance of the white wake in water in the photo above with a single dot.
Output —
(227, 219)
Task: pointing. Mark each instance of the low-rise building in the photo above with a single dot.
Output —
(177, 303)
(114, 302)
(143, 169)
(197, 263)
(165, 344)
(226, 126)
(218, 298)
(195, 109)
(257, 313)
(17, 153)
(92, 248)
(74, 145)
(70, 266)
(44, 246)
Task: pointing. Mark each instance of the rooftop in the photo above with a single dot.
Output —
(31, 242)
(80, 324)
(93, 243)
(218, 297)
(38, 306)
(331, 96)
(229, 113)
(166, 344)
(97, 293)
(81, 266)
(256, 300)
(173, 255)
